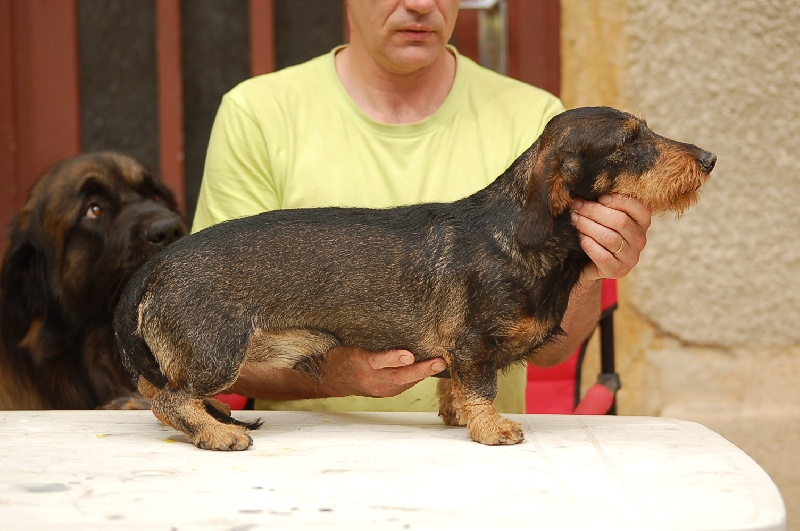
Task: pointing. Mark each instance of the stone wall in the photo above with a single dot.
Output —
(709, 324)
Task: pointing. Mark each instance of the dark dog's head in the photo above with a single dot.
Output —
(89, 223)
(592, 151)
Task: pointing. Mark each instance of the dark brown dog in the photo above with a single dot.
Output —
(482, 282)
(89, 223)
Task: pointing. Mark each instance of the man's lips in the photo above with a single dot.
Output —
(416, 32)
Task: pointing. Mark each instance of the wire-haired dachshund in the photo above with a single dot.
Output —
(482, 282)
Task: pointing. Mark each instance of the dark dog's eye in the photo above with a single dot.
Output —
(94, 211)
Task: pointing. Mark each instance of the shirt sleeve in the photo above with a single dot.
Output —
(237, 179)
(548, 107)
(554, 108)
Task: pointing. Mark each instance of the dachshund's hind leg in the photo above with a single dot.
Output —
(190, 415)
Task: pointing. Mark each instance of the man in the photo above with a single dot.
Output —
(395, 117)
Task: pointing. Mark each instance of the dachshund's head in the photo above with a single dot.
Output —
(592, 151)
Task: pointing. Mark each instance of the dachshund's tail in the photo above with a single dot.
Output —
(227, 419)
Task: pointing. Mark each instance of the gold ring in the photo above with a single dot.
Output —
(621, 245)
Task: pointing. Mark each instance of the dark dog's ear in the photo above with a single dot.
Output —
(23, 282)
(548, 196)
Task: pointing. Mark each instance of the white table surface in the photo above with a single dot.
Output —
(124, 470)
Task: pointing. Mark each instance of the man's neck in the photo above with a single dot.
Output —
(395, 98)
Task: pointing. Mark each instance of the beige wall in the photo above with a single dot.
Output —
(709, 325)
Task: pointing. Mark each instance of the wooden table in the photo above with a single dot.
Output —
(124, 470)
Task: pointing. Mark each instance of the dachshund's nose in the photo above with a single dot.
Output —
(707, 161)
(165, 230)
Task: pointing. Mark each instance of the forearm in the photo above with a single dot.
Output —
(347, 372)
(580, 319)
(259, 381)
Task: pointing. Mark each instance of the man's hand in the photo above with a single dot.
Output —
(351, 371)
(613, 233)
(347, 372)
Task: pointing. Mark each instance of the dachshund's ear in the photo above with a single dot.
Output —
(548, 197)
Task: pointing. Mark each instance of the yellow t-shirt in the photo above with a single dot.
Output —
(295, 139)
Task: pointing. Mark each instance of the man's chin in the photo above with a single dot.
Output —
(415, 56)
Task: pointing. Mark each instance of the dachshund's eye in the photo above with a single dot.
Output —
(158, 199)
(94, 211)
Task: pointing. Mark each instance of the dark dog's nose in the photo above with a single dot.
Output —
(707, 161)
(165, 230)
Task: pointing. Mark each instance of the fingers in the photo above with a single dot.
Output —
(409, 375)
(613, 233)
(390, 359)
(399, 365)
(352, 371)
(634, 209)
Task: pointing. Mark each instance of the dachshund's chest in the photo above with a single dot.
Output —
(520, 338)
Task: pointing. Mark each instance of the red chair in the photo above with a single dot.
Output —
(557, 389)
(236, 402)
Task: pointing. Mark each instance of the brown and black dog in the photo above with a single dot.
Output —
(88, 224)
(482, 282)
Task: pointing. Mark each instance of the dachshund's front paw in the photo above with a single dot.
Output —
(495, 430)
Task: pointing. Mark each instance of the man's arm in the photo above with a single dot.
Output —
(348, 372)
(237, 176)
(580, 319)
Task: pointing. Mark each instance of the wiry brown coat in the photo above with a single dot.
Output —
(482, 282)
